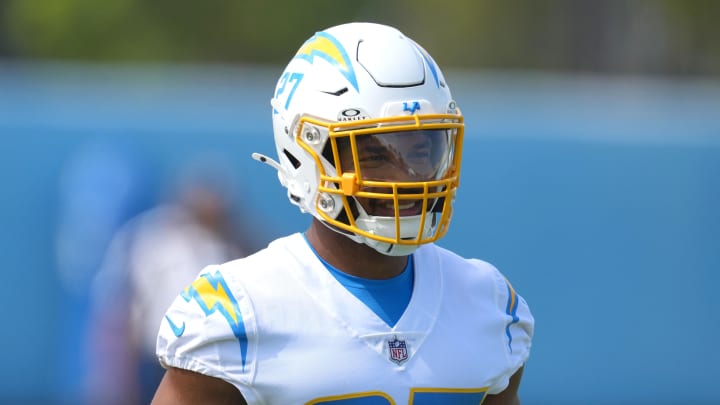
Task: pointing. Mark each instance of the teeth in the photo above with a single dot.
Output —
(406, 205)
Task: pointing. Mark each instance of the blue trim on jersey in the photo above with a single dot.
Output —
(511, 309)
(388, 298)
(177, 330)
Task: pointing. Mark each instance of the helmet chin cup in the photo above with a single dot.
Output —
(385, 227)
(391, 249)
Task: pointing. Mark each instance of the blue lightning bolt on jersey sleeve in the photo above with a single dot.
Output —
(209, 317)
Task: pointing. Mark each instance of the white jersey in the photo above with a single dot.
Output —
(279, 327)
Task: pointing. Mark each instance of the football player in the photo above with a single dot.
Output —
(363, 307)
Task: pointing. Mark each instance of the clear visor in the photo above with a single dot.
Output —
(404, 156)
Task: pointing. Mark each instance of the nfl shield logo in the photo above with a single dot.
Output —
(398, 350)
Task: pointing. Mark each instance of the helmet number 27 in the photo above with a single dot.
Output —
(292, 78)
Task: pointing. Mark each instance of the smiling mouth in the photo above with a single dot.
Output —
(386, 208)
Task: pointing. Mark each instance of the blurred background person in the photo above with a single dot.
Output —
(151, 259)
(101, 186)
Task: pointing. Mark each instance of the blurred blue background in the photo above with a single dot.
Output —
(596, 192)
(597, 197)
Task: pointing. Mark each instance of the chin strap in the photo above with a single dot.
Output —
(294, 191)
(267, 160)
(282, 173)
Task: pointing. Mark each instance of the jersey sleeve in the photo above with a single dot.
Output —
(207, 330)
(521, 324)
(518, 325)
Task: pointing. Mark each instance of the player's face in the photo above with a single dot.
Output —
(398, 157)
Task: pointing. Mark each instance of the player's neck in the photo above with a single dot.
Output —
(353, 258)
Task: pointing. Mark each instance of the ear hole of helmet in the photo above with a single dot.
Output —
(295, 162)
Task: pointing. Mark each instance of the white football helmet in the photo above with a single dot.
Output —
(368, 137)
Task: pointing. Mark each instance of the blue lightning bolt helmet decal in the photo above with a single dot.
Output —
(211, 292)
(325, 46)
(430, 63)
